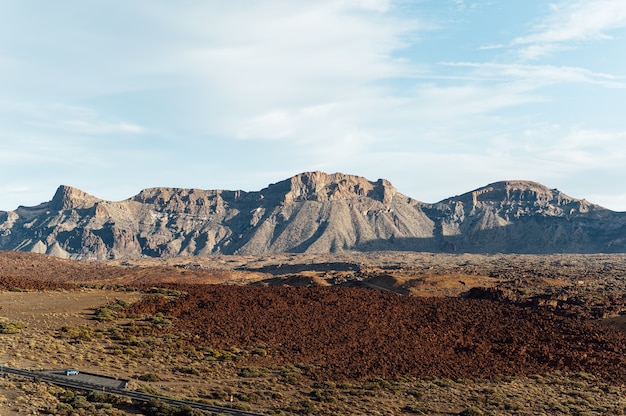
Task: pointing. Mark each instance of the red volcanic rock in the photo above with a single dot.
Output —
(347, 333)
(16, 283)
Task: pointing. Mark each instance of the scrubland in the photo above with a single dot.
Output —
(378, 334)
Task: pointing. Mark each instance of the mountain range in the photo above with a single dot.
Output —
(312, 212)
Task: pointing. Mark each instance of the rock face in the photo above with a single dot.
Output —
(527, 217)
(312, 212)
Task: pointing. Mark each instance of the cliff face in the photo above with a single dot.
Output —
(527, 217)
(312, 212)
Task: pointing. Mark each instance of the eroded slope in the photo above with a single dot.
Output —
(313, 212)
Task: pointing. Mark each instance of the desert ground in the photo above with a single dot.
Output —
(376, 333)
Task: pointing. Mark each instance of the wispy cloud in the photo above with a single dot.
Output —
(377, 5)
(550, 154)
(578, 148)
(126, 86)
(571, 22)
(463, 4)
(99, 127)
(293, 61)
(541, 74)
(492, 46)
(66, 118)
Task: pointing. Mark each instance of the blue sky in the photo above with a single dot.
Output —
(438, 96)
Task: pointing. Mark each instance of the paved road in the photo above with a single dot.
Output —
(90, 379)
(74, 382)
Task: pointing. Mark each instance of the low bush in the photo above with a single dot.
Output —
(9, 327)
(111, 311)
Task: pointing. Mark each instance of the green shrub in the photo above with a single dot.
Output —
(324, 395)
(156, 407)
(77, 333)
(188, 370)
(160, 321)
(11, 327)
(151, 377)
(111, 311)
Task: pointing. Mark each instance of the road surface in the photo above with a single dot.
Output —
(92, 384)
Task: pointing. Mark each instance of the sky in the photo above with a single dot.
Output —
(440, 97)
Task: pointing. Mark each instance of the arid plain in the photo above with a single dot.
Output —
(352, 333)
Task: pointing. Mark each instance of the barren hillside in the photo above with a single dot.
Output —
(312, 212)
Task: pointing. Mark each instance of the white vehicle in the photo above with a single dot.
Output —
(71, 372)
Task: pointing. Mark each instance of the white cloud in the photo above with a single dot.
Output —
(99, 128)
(456, 101)
(463, 5)
(66, 118)
(567, 158)
(327, 85)
(492, 46)
(464, 114)
(570, 22)
(541, 75)
(579, 149)
(376, 5)
(292, 59)
(454, 171)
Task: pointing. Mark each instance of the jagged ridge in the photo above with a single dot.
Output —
(312, 212)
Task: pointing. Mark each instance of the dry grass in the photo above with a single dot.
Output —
(215, 375)
(159, 364)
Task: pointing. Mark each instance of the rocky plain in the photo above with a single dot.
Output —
(345, 333)
(323, 295)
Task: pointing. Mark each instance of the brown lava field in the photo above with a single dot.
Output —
(351, 333)
(311, 334)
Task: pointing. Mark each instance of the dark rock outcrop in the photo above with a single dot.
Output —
(312, 212)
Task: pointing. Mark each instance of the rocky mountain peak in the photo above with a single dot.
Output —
(320, 186)
(312, 212)
(67, 197)
(507, 192)
(514, 192)
(163, 195)
(523, 198)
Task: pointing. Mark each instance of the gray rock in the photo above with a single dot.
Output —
(312, 212)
